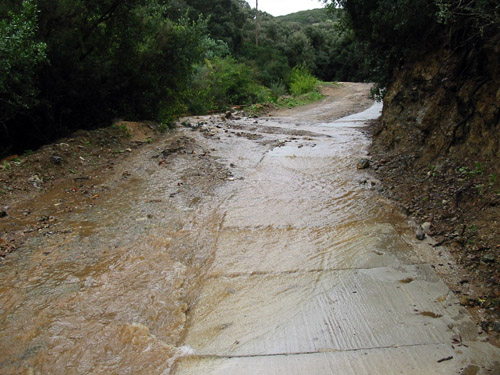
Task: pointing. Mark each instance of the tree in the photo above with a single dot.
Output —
(21, 57)
(108, 58)
(394, 31)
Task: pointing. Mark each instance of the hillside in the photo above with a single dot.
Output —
(307, 17)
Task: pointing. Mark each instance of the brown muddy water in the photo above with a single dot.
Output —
(256, 248)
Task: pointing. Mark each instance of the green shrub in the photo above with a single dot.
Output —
(278, 88)
(301, 81)
(21, 56)
(222, 82)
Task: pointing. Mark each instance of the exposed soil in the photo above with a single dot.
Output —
(436, 148)
(344, 98)
(79, 163)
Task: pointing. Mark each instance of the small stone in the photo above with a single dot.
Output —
(228, 114)
(420, 235)
(363, 164)
(426, 227)
(489, 258)
(3, 214)
(56, 159)
(496, 326)
(35, 181)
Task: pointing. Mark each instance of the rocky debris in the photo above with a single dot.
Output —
(228, 115)
(3, 213)
(363, 163)
(175, 146)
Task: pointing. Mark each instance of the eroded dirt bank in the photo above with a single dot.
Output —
(437, 149)
(231, 246)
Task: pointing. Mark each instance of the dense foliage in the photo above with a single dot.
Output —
(21, 56)
(389, 33)
(70, 64)
(222, 81)
(89, 61)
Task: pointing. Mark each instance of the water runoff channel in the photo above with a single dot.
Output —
(315, 273)
(290, 264)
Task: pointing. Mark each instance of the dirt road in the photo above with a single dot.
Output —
(234, 246)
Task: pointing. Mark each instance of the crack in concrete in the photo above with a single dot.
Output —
(218, 356)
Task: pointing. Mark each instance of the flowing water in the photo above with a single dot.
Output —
(261, 249)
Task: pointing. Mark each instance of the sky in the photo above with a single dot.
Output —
(282, 7)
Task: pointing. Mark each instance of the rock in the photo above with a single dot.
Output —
(228, 115)
(496, 326)
(56, 159)
(489, 258)
(420, 235)
(36, 181)
(363, 164)
(3, 214)
(426, 227)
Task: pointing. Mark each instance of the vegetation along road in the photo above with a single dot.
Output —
(234, 245)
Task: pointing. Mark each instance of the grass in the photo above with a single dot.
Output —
(123, 128)
(477, 170)
(286, 101)
(295, 101)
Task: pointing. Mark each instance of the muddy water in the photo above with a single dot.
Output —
(259, 248)
(104, 289)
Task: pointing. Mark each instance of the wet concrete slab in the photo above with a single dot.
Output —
(439, 359)
(306, 312)
(310, 275)
(359, 245)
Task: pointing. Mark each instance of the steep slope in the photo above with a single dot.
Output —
(437, 147)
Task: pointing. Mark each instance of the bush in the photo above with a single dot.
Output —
(278, 88)
(21, 56)
(222, 82)
(301, 81)
(389, 32)
(268, 63)
(108, 59)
